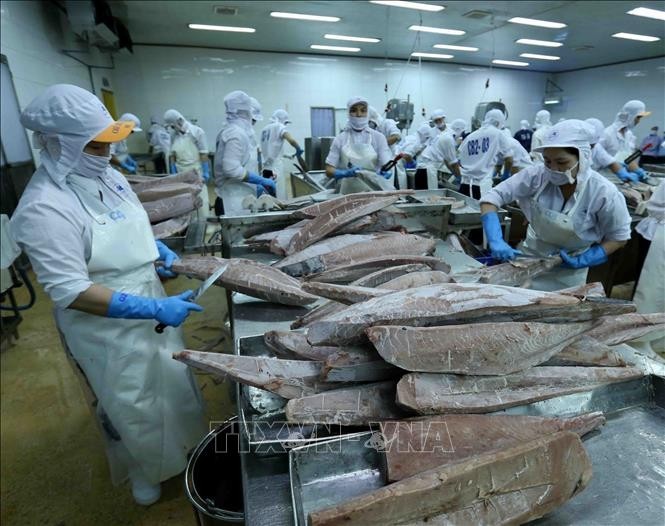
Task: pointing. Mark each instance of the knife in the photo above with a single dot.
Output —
(159, 328)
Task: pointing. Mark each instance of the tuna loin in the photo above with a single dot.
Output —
(171, 227)
(358, 269)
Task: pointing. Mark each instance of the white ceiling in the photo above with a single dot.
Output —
(590, 25)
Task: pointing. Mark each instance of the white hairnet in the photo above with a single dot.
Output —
(631, 110)
(437, 114)
(424, 132)
(494, 117)
(571, 133)
(374, 115)
(542, 119)
(356, 100)
(256, 109)
(238, 101)
(134, 119)
(172, 116)
(280, 116)
(64, 118)
(598, 128)
(458, 126)
(524, 124)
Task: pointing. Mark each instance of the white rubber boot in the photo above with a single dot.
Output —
(144, 492)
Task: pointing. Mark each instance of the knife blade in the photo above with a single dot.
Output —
(159, 328)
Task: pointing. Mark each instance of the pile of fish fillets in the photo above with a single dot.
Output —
(168, 201)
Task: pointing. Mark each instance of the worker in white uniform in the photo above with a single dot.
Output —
(120, 152)
(272, 143)
(358, 147)
(542, 124)
(521, 158)
(478, 154)
(255, 162)
(234, 180)
(619, 142)
(159, 140)
(599, 157)
(427, 169)
(189, 151)
(458, 129)
(524, 135)
(572, 210)
(441, 150)
(650, 290)
(388, 128)
(90, 243)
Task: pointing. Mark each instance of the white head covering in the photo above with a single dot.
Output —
(437, 114)
(458, 126)
(424, 132)
(356, 120)
(256, 109)
(64, 118)
(494, 117)
(632, 109)
(598, 128)
(133, 118)
(355, 100)
(174, 118)
(280, 116)
(571, 133)
(542, 119)
(238, 107)
(524, 124)
(374, 115)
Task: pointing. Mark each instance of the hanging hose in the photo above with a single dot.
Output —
(31, 291)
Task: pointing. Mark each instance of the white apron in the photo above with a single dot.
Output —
(187, 157)
(282, 179)
(485, 185)
(363, 156)
(402, 180)
(549, 232)
(151, 400)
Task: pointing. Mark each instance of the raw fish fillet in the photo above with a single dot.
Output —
(317, 209)
(587, 351)
(583, 291)
(293, 344)
(516, 273)
(170, 227)
(342, 366)
(169, 207)
(141, 182)
(157, 192)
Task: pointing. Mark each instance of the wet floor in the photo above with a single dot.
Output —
(53, 469)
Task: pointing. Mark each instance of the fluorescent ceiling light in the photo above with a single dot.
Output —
(336, 48)
(352, 39)
(535, 22)
(540, 57)
(410, 5)
(298, 16)
(647, 13)
(554, 100)
(544, 43)
(438, 30)
(509, 62)
(431, 55)
(455, 48)
(232, 29)
(631, 36)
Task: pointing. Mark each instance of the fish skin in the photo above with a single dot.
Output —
(286, 378)
(169, 207)
(375, 279)
(349, 406)
(431, 393)
(248, 277)
(587, 351)
(317, 209)
(357, 269)
(417, 444)
(613, 330)
(325, 224)
(447, 303)
(347, 367)
(476, 349)
(586, 290)
(510, 486)
(512, 273)
(172, 226)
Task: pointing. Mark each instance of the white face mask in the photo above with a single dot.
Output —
(441, 126)
(92, 165)
(561, 178)
(358, 123)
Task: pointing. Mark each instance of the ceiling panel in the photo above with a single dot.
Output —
(587, 40)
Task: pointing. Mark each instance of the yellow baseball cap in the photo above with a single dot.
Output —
(116, 131)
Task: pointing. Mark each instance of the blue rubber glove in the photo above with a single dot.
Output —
(131, 161)
(343, 174)
(500, 249)
(173, 168)
(170, 311)
(506, 174)
(265, 182)
(626, 176)
(385, 175)
(259, 190)
(299, 152)
(127, 166)
(641, 174)
(168, 257)
(206, 171)
(594, 255)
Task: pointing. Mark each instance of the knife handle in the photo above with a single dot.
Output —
(159, 328)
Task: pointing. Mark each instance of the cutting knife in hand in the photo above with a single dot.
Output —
(159, 328)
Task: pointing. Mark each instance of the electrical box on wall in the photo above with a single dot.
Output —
(400, 111)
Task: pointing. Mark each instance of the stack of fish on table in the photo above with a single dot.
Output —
(403, 342)
(169, 201)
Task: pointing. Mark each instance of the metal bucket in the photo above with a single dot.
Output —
(213, 480)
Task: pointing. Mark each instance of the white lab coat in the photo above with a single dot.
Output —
(366, 136)
(432, 158)
(521, 158)
(232, 160)
(614, 141)
(187, 148)
(537, 140)
(478, 153)
(272, 143)
(600, 159)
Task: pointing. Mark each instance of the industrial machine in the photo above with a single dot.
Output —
(482, 108)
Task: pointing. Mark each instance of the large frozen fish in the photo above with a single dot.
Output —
(286, 378)
(510, 486)
(375, 279)
(357, 269)
(169, 207)
(276, 240)
(478, 348)
(156, 192)
(142, 182)
(323, 207)
(429, 393)
(248, 277)
(583, 291)
(293, 344)
(587, 351)
(456, 303)
(350, 406)
(614, 330)
(172, 226)
(325, 224)
(516, 273)
(415, 445)
(349, 367)
(333, 252)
